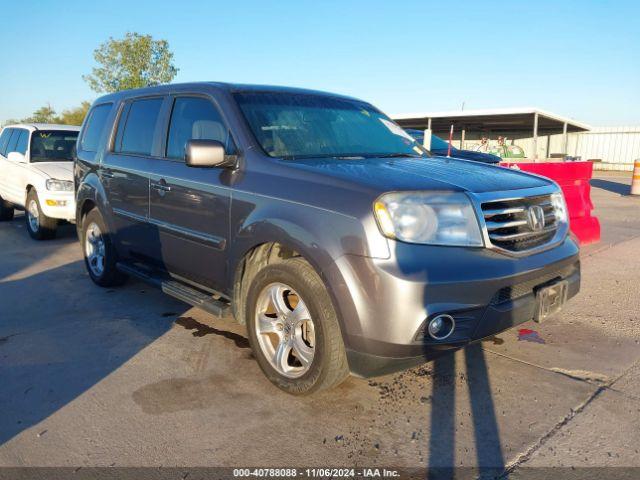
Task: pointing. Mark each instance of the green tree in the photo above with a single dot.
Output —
(74, 116)
(44, 114)
(132, 62)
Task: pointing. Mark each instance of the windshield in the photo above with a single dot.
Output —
(439, 144)
(52, 145)
(305, 126)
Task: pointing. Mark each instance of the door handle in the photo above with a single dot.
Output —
(161, 187)
(107, 174)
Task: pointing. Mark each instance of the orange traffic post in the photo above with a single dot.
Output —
(635, 180)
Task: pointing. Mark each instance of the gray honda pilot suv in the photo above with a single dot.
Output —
(341, 243)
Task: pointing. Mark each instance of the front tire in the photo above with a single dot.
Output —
(293, 328)
(39, 226)
(100, 256)
(6, 210)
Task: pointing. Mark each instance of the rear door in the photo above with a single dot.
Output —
(190, 206)
(125, 172)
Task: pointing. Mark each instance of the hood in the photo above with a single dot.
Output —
(470, 155)
(56, 170)
(433, 173)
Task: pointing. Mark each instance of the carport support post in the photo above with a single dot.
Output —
(535, 137)
(462, 135)
(565, 139)
(426, 142)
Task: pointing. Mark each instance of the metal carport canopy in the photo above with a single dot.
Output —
(514, 122)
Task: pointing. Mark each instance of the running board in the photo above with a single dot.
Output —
(179, 290)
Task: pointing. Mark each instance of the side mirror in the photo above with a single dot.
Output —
(207, 153)
(16, 157)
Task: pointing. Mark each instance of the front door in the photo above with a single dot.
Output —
(190, 206)
(5, 137)
(13, 188)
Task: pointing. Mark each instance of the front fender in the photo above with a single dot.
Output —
(320, 235)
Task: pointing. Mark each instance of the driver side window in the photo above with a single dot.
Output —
(23, 141)
(194, 118)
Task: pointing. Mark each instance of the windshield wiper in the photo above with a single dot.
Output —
(397, 155)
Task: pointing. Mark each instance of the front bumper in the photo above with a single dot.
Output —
(60, 205)
(385, 304)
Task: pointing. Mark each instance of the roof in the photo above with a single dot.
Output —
(512, 120)
(229, 87)
(44, 126)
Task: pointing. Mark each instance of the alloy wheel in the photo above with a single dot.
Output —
(95, 249)
(285, 330)
(33, 215)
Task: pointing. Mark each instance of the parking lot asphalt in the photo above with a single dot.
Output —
(131, 377)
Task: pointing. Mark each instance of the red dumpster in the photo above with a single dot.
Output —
(573, 178)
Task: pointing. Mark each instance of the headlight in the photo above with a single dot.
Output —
(559, 207)
(428, 217)
(59, 185)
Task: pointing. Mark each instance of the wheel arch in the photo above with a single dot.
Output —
(27, 189)
(90, 194)
(255, 257)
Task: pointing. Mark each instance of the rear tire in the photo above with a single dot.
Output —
(309, 364)
(39, 226)
(6, 210)
(100, 257)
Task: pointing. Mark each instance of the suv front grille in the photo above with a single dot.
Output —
(508, 225)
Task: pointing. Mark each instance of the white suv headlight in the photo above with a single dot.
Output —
(59, 185)
(559, 207)
(436, 218)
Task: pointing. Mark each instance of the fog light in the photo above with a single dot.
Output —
(441, 327)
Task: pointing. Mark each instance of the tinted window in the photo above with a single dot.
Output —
(23, 141)
(439, 144)
(193, 119)
(95, 127)
(418, 135)
(139, 127)
(13, 140)
(4, 140)
(52, 145)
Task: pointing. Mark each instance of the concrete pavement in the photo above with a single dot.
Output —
(131, 377)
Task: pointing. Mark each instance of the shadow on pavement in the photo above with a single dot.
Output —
(614, 187)
(442, 442)
(80, 335)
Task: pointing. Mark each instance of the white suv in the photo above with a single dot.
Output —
(36, 174)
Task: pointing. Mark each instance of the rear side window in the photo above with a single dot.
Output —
(13, 140)
(4, 140)
(137, 127)
(193, 118)
(94, 128)
(23, 141)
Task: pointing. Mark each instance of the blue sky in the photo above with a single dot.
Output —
(575, 58)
